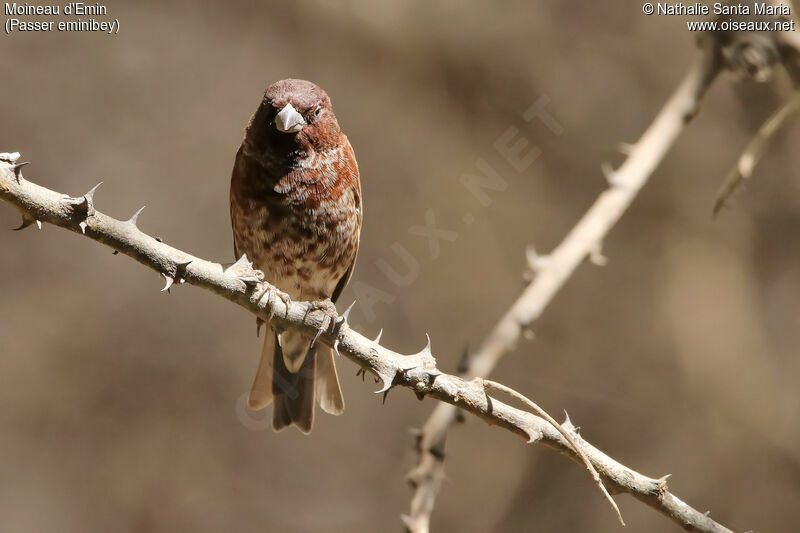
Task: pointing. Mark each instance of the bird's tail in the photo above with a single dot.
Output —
(310, 374)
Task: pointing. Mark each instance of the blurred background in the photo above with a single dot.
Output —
(118, 404)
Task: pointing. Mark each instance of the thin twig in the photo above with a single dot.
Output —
(584, 240)
(243, 286)
(754, 151)
(489, 384)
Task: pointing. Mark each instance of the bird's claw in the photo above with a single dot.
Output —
(269, 290)
(286, 299)
(328, 310)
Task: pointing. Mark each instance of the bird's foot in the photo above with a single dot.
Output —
(270, 290)
(329, 315)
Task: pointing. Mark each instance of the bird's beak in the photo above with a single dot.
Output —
(289, 120)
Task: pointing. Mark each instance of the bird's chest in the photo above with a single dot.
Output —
(303, 237)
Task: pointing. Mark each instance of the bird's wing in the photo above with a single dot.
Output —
(355, 185)
(235, 179)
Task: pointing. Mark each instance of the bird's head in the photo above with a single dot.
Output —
(295, 117)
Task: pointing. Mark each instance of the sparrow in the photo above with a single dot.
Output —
(296, 212)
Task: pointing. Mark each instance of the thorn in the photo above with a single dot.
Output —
(378, 338)
(180, 270)
(28, 220)
(536, 262)
(116, 252)
(596, 255)
(346, 313)
(168, 284)
(662, 484)
(719, 205)
(90, 195)
(386, 386)
(609, 173)
(314, 340)
(437, 452)
(385, 394)
(409, 522)
(18, 169)
(280, 341)
(84, 206)
(159, 239)
(336, 347)
(259, 323)
(625, 148)
(527, 332)
(388, 382)
(240, 263)
(426, 349)
(135, 216)
(463, 363)
(531, 255)
(25, 223)
(362, 372)
(567, 421)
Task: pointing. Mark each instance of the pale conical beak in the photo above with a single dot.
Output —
(289, 120)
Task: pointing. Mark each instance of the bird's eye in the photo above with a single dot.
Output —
(318, 110)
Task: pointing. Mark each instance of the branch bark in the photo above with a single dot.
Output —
(551, 273)
(242, 285)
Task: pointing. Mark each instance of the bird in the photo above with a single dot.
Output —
(296, 212)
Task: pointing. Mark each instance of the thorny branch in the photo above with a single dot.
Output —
(243, 285)
(538, 411)
(751, 156)
(754, 55)
(758, 61)
(585, 240)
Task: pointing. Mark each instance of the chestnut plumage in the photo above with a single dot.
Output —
(296, 212)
